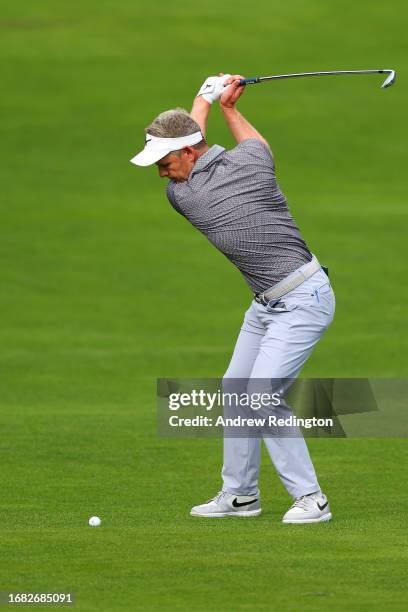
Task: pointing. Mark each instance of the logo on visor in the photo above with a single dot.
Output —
(148, 140)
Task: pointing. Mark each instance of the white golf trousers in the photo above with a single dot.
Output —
(274, 343)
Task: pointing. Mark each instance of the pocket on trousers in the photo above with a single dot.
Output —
(279, 306)
(321, 293)
(310, 294)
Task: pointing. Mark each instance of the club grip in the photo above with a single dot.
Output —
(249, 81)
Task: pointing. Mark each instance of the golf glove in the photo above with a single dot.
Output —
(213, 87)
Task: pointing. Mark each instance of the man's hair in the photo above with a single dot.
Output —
(174, 123)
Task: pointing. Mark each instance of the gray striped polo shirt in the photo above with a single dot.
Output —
(232, 197)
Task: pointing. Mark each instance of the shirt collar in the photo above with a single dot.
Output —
(207, 159)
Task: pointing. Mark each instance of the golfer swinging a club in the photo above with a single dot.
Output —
(233, 198)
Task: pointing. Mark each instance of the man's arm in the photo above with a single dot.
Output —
(241, 128)
(200, 112)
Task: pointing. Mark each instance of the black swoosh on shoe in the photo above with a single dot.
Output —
(236, 503)
(322, 507)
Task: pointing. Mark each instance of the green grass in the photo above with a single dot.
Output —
(105, 288)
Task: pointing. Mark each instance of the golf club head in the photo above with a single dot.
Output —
(389, 80)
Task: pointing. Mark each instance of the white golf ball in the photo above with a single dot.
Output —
(94, 521)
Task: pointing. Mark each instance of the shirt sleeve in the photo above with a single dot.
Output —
(171, 196)
(252, 151)
(170, 193)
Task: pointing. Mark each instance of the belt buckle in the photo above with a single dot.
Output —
(260, 298)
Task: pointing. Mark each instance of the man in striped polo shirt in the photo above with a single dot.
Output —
(233, 198)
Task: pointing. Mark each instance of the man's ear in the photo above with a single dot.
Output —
(189, 151)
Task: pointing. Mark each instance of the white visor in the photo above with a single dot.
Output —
(156, 148)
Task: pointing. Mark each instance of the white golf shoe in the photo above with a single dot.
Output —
(227, 504)
(313, 508)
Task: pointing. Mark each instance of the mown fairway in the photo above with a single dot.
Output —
(104, 288)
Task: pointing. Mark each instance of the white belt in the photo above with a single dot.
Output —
(290, 282)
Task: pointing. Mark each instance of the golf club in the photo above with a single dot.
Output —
(387, 83)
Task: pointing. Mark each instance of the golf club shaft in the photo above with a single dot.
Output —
(253, 80)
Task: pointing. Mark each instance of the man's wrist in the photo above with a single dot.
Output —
(200, 101)
(228, 110)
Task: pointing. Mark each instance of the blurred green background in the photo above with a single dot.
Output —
(105, 288)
